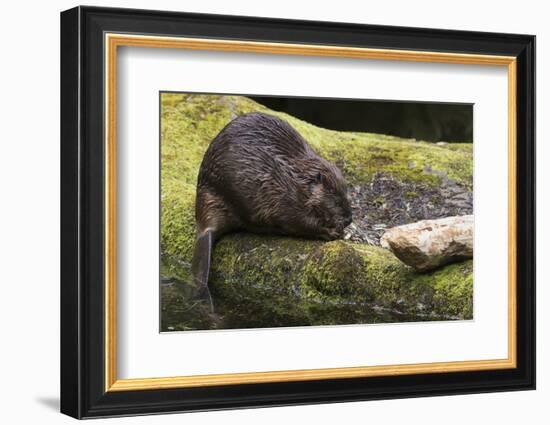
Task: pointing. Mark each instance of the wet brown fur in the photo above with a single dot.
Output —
(260, 175)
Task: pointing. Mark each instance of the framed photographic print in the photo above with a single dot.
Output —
(261, 212)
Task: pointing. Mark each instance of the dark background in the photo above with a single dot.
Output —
(433, 122)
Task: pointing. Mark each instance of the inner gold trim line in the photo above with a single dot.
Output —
(110, 211)
(113, 41)
(512, 212)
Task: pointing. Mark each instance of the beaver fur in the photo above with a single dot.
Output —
(260, 175)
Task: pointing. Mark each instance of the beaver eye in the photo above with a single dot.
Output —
(319, 178)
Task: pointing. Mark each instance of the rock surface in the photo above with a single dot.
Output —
(429, 244)
(388, 201)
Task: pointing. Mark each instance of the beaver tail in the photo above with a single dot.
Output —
(200, 266)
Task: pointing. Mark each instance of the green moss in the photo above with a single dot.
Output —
(260, 281)
(304, 275)
(335, 268)
(453, 287)
(379, 200)
(177, 222)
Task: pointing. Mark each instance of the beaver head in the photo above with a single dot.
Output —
(327, 201)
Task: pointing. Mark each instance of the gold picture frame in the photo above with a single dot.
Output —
(114, 41)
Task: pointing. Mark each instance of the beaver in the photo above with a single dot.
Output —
(260, 175)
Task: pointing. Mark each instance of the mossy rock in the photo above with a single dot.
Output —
(260, 281)
(251, 273)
